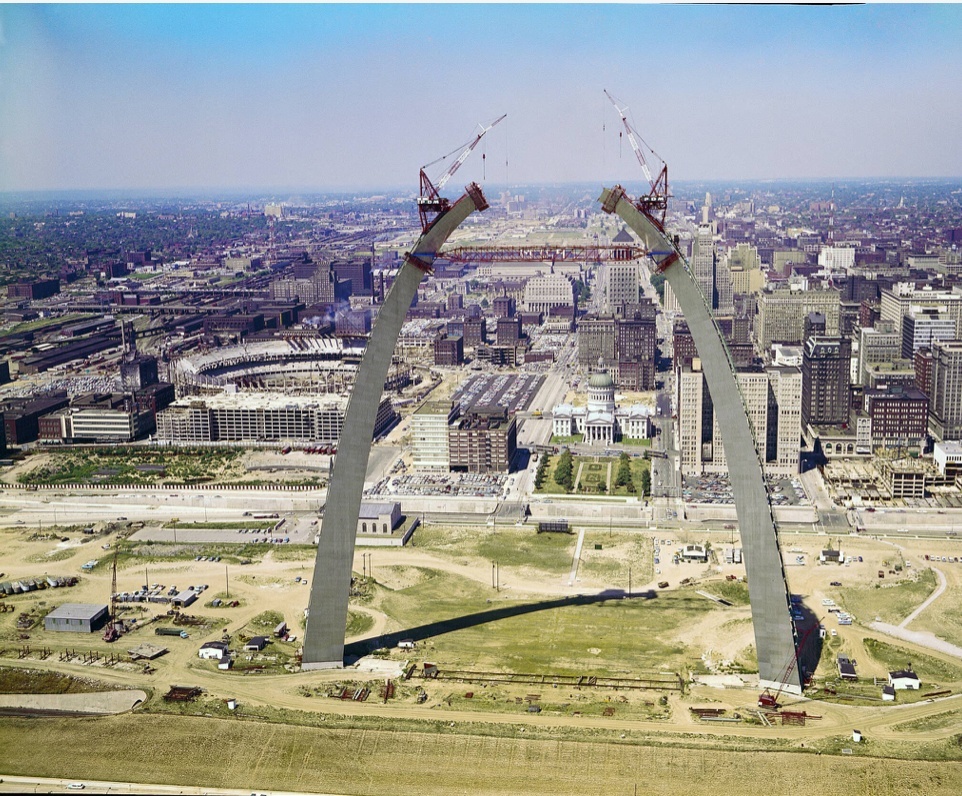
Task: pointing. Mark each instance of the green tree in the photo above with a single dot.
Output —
(564, 472)
(623, 474)
(541, 472)
(645, 482)
(658, 283)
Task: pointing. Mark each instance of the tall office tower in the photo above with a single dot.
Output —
(724, 290)
(596, 340)
(877, 344)
(896, 303)
(692, 399)
(635, 339)
(826, 368)
(922, 326)
(782, 311)
(754, 387)
(703, 256)
(783, 455)
(745, 268)
(682, 345)
(773, 401)
(622, 284)
(945, 405)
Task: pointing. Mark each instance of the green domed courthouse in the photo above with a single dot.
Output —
(602, 422)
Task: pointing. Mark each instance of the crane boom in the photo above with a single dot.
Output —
(654, 204)
(430, 200)
(631, 138)
(467, 151)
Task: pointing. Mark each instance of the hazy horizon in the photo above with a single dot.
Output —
(283, 193)
(355, 98)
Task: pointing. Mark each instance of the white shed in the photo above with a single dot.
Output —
(903, 680)
(213, 650)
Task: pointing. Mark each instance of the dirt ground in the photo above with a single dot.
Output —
(269, 586)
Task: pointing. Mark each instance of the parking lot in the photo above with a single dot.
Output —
(511, 392)
(452, 485)
(717, 489)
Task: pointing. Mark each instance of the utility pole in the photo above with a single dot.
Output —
(227, 578)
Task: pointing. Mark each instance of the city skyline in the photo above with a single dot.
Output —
(229, 97)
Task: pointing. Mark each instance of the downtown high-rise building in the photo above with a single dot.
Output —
(626, 343)
(622, 284)
(703, 255)
(922, 326)
(945, 405)
(826, 370)
(876, 345)
(745, 269)
(904, 297)
(782, 312)
(773, 401)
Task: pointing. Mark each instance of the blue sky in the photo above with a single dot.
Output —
(360, 96)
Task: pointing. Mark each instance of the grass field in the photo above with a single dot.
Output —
(938, 721)
(891, 602)
(931, 670)
(944, 616)
(119, 466)
(618, 552)
(358, 624)
(549, 553)
(474, 627)
(443, 760)
(25, 681)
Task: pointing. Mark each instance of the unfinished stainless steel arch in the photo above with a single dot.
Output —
(775, 638)
(331, 586)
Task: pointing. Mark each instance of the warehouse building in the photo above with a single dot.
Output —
(77, 618)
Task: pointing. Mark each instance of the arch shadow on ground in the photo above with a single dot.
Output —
(810, 641)
(358, 649)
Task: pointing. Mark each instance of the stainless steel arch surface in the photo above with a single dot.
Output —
(331, 585)
(775, 639)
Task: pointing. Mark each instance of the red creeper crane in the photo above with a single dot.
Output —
(654, 204)
(430, 200)
(769, 700)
